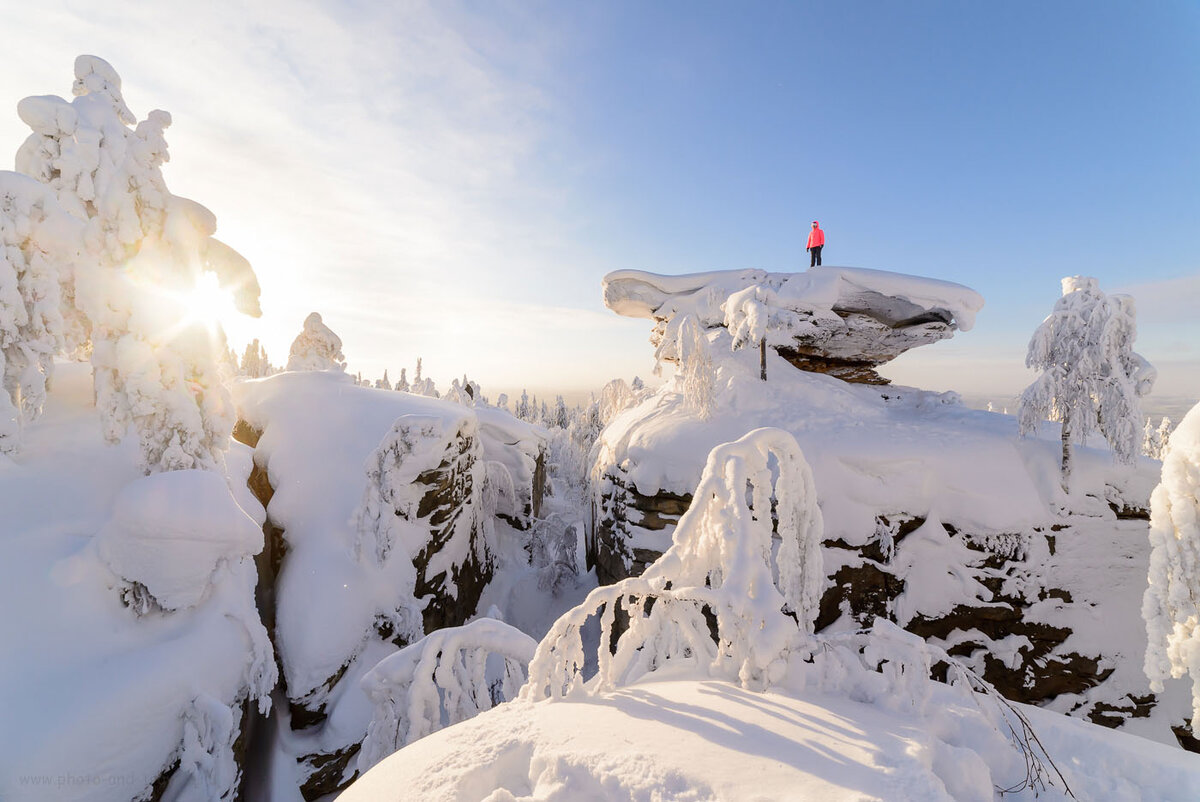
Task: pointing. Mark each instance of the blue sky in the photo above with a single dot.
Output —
(452, 180)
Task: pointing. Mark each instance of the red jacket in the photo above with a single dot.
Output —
(816, 237)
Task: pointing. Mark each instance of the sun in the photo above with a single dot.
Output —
(208, 303)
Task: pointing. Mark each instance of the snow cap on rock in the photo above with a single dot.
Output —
(169, 531)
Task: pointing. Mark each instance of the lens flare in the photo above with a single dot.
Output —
(208, 303)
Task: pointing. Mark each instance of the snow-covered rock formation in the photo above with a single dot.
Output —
(873, 713)
(382, 513)
(937, 517)
(843, 321)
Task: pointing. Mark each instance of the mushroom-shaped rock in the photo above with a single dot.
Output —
(843, 321)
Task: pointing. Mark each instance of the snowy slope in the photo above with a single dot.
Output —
(711, 740)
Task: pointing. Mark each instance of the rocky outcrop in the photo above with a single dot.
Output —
(445, 498)
(1003, 635)
(844, 322)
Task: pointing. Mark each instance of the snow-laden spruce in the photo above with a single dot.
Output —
(155, 367)
(720, 564)
(1171, 605)
(1090, 376)
(316, 347)
(32, 329)
(442, 679)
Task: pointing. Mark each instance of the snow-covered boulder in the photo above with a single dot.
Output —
(844, 321)
(170, 531)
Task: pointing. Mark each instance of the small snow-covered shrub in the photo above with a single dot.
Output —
(1171, 605)
(442, 679)
(718, 598)
(316, 347)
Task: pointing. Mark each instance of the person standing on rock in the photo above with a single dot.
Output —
(816, 241)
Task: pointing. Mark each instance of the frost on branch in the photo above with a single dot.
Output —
(141, 252)
(1171, 606)
(1090, 376)
(719, 598)
(32, 260)
(448, 676)
(316, 347)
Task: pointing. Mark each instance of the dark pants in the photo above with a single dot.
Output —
(816, 255)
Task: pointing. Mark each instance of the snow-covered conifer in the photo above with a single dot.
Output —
(255, 364)
(384, 383)
(559, 418)
(316, 347)
(154, 365)
(402, 382)
(1091, 378)
(1156, 438)
(502, 402)
(1171, 606)
(32, 258)
(423, 386)
(523, 409)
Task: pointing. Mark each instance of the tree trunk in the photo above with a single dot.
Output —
(762, 358)
(1066, 455)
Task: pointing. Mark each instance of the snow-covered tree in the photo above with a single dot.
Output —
(402, 382)
(1156, 438)
(1171, 606)
(316, 347)
(721, 562)
(154, 364)
(255, 364)
(1090, 376)
(523, 407)
(384, 383)
(422, 386)
(558, 417)
(32, 259)
(444, 678)
(457, 395)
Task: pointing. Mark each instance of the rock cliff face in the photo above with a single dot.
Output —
(844, 322)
